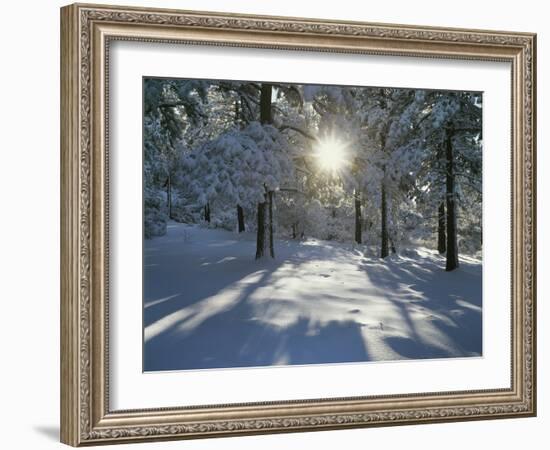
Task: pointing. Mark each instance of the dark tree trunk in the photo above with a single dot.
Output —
(240, 218)
(260, 233)
(261, 241)
(265, 103)
(392, 230)
(207, 212)
(452, 245)
(169, 196)
(358, 227)
(240, 211)
(441, 234)
(293, 231)
(384, 232)
(270, 206)
(392, 246)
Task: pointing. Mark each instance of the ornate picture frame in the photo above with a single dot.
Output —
(87, 32)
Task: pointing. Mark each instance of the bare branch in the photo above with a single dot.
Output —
(298, 130)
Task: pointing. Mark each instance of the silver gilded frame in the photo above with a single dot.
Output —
(86, 32)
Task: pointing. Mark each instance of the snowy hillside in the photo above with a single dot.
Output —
(208, 303)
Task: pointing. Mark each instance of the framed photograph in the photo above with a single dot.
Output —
(275, 224)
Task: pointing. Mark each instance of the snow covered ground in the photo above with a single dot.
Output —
(209, 304)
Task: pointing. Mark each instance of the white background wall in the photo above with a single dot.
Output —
(29, 224)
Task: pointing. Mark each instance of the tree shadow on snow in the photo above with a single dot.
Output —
(445, 324)
(198, 311)
(239, 341)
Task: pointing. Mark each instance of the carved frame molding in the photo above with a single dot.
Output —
(86, 31)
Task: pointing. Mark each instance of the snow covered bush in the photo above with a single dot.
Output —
(154, 220)
(237, 168)
(225, 219)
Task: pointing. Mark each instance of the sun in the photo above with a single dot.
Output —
(331, 154)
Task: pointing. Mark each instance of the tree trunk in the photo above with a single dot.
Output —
(452, 245)
(392, 246)
(384, 232)
(441, 235)
(393, 229)
(270, 205)
(260, 233)
(240, 218)
(237, 112)
(240, 211)
(261, 241)
(169, 196)
(358, 227)
(265, 103)
(207, 212)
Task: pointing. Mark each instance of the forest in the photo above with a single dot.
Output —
(384, 167)
(260, 197)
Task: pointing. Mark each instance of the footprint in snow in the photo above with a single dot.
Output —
(324, 275)
(354, 311)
